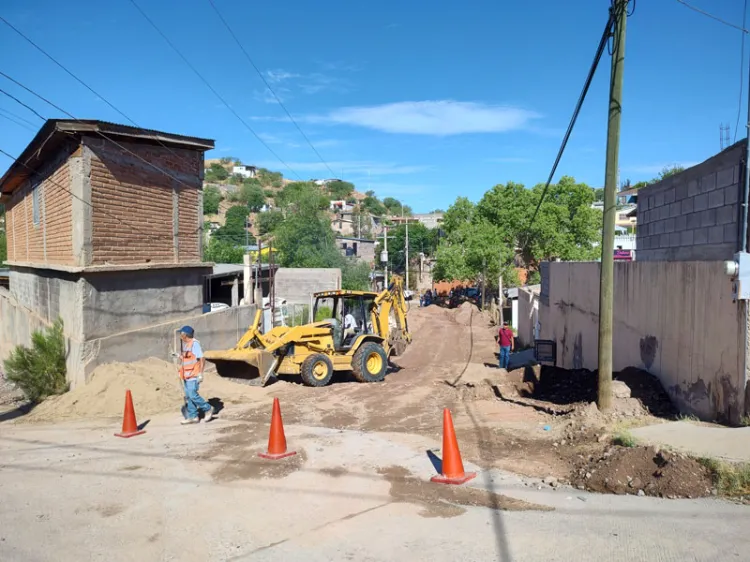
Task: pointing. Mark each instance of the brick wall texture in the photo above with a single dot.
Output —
(50, 239)
(694, 215)
(132, 204)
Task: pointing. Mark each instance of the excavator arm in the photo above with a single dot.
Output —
(392, 299)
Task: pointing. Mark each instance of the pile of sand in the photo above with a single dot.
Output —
(154, 384)
(464, 313)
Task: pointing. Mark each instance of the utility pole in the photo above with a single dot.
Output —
(406, 249)
(484, 279)
(606, 283)
(385, 248)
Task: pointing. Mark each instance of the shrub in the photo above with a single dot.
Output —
(39, 371)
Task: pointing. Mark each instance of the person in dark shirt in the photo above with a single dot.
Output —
(505, 339)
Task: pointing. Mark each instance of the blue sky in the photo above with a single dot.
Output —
(415, 103)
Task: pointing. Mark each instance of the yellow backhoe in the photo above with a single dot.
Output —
(353, 331)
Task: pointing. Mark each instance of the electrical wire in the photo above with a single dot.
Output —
(270, 89)
(713, 17)
(17, 122)
(213, 90)
(15, 99)
(17, 116)
(592, 70)
(742, 72)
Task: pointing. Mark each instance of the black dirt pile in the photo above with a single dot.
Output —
(643, 471)
(562, 386)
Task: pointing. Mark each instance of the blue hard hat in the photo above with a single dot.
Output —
(188, 331)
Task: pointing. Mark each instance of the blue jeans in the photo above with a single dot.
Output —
(504, 357)
(195, 402)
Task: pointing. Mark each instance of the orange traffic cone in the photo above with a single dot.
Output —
(276, 439)
(453, 466)
(129, 425)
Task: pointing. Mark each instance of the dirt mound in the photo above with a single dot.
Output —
(463, 314)
(155, 386)
(644, 471)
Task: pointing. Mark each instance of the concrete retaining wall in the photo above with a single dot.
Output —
(693, 215)
(296, 285)
(528, 314)
(676, 320)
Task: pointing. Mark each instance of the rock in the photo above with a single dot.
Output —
(602, 438)
(620, 389)
(562, 442)
(554, 444)
(641, 493)
(588, 475)
(581, 487)
(636, 483)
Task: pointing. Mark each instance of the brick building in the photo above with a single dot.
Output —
(104, 228)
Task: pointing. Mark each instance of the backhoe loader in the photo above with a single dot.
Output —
(353, 331)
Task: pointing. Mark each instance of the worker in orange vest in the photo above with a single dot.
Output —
(191, 374)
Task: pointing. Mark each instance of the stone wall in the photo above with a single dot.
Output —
(693, 215)
(298, 284)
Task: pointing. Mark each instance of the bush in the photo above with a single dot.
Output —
(40, 371)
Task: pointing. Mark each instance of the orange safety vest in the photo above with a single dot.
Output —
(189, 361)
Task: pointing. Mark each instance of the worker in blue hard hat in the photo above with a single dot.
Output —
(192, 363)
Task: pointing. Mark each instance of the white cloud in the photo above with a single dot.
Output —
(441, 118)
(311, 83)
(280, 75)
(656, 168)
(349, 169)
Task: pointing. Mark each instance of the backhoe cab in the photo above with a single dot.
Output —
(351, 331)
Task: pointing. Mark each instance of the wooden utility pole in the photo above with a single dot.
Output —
(484, 279)
(606, 283)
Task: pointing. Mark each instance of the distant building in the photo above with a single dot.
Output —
(430, 220)
(245, 171)
(359, 248)
(341, 205)
(325, 182)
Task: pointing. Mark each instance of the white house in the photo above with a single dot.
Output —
(245, 171)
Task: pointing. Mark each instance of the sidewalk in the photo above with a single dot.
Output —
(727, 443)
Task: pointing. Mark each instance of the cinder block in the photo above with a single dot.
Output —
(732, 193)
(680, 223)
(716, 199)
(700, 202)
(716, 235)
(659, 227)
(686, 238)
(687, 205)
(708, 217)
(675, 209)
(693, 188)
(658, 199)
(669, 225)
(726, 214)
(725, 177)
(700, 236)
(694, 220)
(681, 192)
(674, 239)
(664, 212)
(730, 232)
(664, 240)
(669, 196)
(708, 182)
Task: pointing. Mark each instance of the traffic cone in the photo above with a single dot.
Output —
(276, 439)
(453, 466)
(129, 425)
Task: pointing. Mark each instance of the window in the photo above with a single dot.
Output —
(35, 189)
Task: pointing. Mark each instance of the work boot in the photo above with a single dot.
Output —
(189, 421)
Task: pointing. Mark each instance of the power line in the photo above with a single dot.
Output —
(17, 116)
(270, 89)
(592, 70)
(742, 71)
(713, 17)
(151, 164)
(16, 122)
(15, 99)
(213, 90)
(84, 84)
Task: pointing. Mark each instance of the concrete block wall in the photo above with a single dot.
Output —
(298, 284)
(694, 215)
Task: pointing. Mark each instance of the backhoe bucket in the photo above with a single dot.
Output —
(233, 363)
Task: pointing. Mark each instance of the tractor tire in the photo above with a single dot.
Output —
(369, 363)
(316, 370)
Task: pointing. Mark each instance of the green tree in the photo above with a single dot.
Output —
(268, 178)
(599, 194)
(355, 275)
(234, 230)
(305, 237)
(269, 221)
(421, 239)
(211, 199)
(222, 251)
(252, 195)
(236, 179)
(461, 212)
(216, 173)
(340, 189)
(297, 191)
(373, 206)
(668, 171)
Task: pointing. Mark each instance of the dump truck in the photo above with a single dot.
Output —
(355, 331)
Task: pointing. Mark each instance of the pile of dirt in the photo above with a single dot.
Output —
(463, 314)
(155, 386)
(644, 471)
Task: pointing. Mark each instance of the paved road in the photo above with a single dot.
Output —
(729, 443)
(74, 492)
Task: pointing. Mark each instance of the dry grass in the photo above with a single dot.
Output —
(730, 479)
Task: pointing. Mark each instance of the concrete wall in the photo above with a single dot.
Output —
(528, 315)
(676, 320)
(693, 215)
(296, 285)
